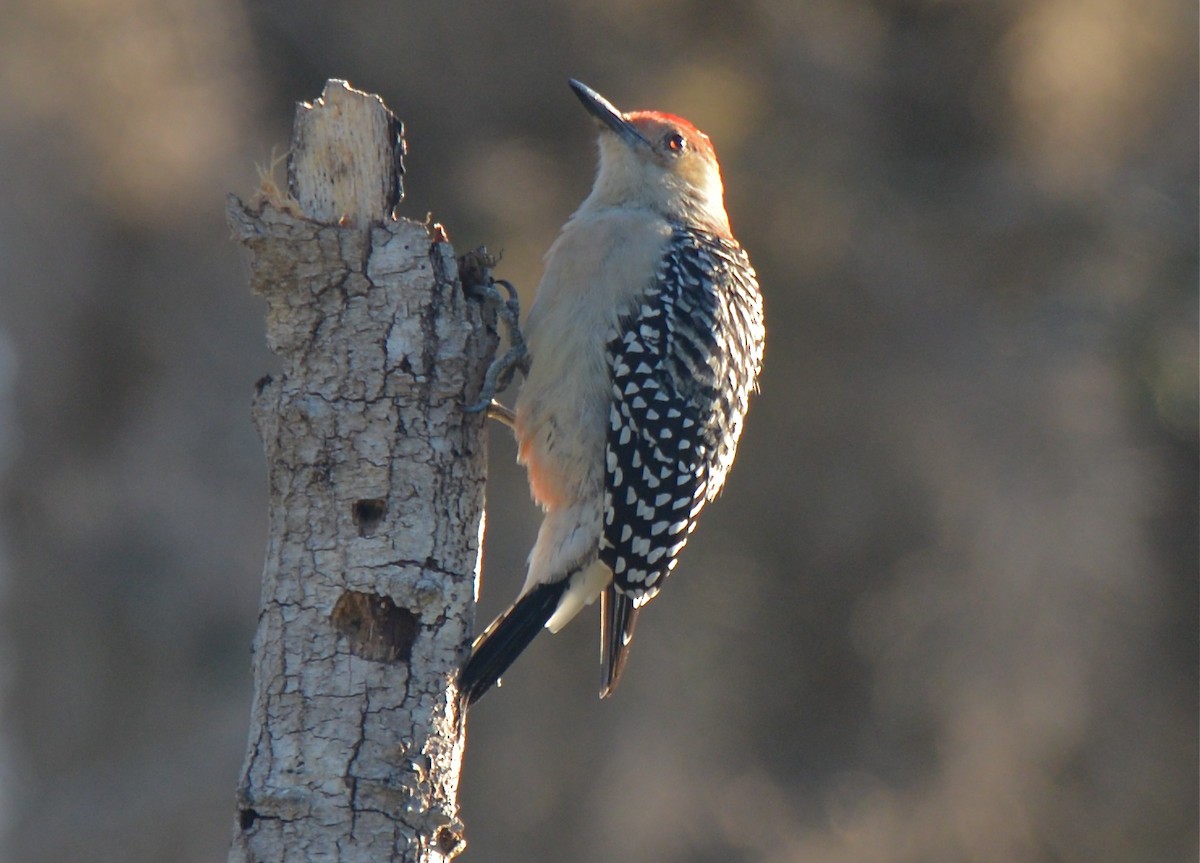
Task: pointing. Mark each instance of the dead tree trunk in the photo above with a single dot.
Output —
(376, 506)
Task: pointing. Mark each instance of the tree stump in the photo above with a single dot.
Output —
(376, 505)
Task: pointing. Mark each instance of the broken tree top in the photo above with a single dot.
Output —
(346, 159)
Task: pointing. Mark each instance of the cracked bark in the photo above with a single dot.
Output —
(376, 506)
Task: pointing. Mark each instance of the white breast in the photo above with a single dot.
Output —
(600, 263)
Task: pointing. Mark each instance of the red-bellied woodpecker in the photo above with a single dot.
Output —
(645, 338)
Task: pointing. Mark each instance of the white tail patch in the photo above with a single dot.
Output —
(584, 587)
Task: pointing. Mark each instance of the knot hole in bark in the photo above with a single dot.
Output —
(450, 842)
(368, 515)
(375, 627)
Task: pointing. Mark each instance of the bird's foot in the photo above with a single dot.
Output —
(500, 372)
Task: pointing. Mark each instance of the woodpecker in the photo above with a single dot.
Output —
(645, 341)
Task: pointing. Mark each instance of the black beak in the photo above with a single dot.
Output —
(603, 110)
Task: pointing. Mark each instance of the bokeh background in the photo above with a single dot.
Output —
(947, 607)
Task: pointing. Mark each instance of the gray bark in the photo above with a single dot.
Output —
(376, 506)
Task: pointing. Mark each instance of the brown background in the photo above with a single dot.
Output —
(946, 609)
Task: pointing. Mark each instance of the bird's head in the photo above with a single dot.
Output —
(657, 161)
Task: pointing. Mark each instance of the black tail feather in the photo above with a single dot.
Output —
(618, 617)
(508, 635)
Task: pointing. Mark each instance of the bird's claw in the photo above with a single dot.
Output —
(500, 372)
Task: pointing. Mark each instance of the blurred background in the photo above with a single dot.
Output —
(946, 609)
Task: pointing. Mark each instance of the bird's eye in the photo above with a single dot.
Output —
(675, 142)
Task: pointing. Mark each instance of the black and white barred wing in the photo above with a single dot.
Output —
(683, 364)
